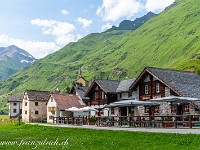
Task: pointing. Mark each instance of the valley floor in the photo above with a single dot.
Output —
(153, 130)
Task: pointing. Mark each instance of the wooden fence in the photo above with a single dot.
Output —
(70, 120)
(158, 121)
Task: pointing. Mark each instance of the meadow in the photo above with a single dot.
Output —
(38, 137)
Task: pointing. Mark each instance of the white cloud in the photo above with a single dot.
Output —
(35, 48)
(157, 5)
(116, 9)
(64, 12)
(106, 26)
(84, 22)
(54, 27)
(63, 31)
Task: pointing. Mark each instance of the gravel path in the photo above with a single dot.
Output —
(155, 130)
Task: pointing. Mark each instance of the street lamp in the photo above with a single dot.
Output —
(19, 114)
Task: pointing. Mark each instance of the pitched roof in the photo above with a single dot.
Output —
(109, 86)
(15, 98)
(112, 86)
(124, 85)
(65, 101)
(184, 83)
(38, 95)
(81, 90)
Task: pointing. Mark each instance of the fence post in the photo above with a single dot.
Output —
(150, 119)
(175, 121)
(162, 121)
(190, 121)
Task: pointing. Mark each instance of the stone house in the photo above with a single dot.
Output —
(15, 105)
(59, 103)
(34, 106)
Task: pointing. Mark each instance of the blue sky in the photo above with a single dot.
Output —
(44, 26)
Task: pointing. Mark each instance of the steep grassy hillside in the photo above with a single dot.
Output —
(60, 69)
(169, 40)
(9, 66)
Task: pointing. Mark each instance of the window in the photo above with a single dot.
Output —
(146, 109)
(157, 88)
(50, 117)
(120, 95)
(112, 111)
(51, 99)
(146, 89)
(25, 103)
(102, 95)
(36, 103)
(173, 108)
(186, 108)
(15, 104)
(130, 94)
(105, 96)
(25, 112)
(156, 110)
(36, 112)
(14, 110)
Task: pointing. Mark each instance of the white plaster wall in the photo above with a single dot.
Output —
(25, 117)
(125, 96)
(51, 104)
(11, 107)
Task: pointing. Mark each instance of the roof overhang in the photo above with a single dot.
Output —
(125, 103)
(175, 99)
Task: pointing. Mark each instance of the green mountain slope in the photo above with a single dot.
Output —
(169, 40)
(9, 66)
(13, 59)
(133, 25)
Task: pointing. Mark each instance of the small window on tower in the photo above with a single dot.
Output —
(146, 89)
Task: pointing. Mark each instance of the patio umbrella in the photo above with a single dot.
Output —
(130, 103)
(175, 99)
(73, 109)
(88, 109)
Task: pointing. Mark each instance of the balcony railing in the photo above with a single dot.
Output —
(98, 102)
(158, 121)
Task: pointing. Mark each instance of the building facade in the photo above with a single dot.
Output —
(34, 106)
(15, 105)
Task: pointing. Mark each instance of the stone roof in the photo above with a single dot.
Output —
(184, 83)
(81, 90)
(124, 85)
(109, 86)
(66, 101)
(113, 86)
(34, 95)
(15, 98)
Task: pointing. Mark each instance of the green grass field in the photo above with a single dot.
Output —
(11, 136)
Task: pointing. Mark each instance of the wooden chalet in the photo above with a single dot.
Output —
(156, 83)
(101, 93)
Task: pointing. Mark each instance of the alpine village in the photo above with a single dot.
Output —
(143, 74)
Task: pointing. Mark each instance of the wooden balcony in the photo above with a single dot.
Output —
(98, 102)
